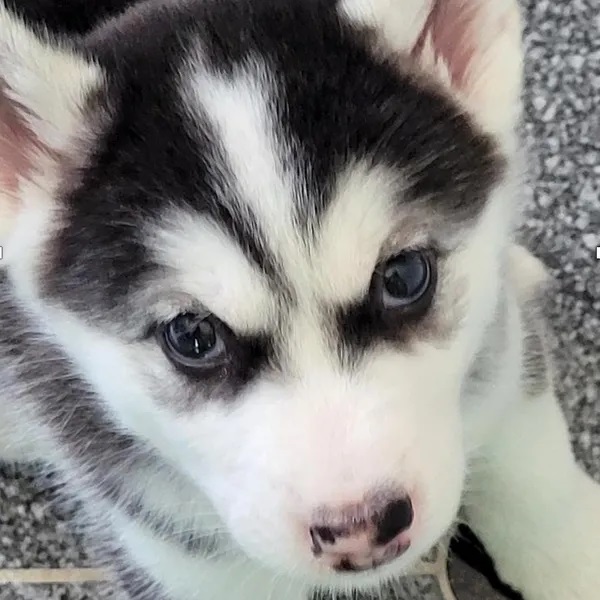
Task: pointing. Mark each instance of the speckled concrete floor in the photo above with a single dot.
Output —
(561, 226)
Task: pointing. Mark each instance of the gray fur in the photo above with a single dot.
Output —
(536, 372)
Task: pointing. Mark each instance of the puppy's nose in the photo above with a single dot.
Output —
(363, 536)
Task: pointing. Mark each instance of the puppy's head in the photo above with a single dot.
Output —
(278, 229)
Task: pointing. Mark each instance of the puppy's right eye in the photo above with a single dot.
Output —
(405, 284)
(194, 341)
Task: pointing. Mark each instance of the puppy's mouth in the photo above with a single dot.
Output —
(354, 564)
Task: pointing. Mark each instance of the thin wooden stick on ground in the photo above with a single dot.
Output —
(49, 576)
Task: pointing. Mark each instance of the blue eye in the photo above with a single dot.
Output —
(405, 279)
(193, 341)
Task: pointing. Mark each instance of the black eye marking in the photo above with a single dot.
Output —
(401, 292)
(206, 351)
(404, 283)
(195, 342)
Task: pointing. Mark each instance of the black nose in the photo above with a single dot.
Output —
(396, 517)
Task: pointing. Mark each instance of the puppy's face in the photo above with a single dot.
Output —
(269, 237)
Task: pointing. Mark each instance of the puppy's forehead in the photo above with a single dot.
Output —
(272, 186)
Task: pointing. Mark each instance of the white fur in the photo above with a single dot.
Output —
(400, 21)
(536, 511)
(233, 286)
(238, 108)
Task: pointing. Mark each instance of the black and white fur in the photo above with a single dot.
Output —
(257, 160)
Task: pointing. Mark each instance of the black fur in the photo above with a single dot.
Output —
(67, 17)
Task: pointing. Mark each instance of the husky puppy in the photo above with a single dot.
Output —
(259, 301)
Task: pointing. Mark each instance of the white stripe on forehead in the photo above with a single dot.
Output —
(239, 107)
(209, 267)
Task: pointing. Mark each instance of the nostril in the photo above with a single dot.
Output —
(326, 534)
(396, 518)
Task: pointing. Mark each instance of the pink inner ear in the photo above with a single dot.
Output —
(17, 142)
(450, 31)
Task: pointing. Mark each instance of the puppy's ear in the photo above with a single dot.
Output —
(472, 46)
(44, 87)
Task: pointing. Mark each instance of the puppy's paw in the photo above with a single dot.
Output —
(558, 557)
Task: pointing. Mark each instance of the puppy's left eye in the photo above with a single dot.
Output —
(194, 341)
(406, 280)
